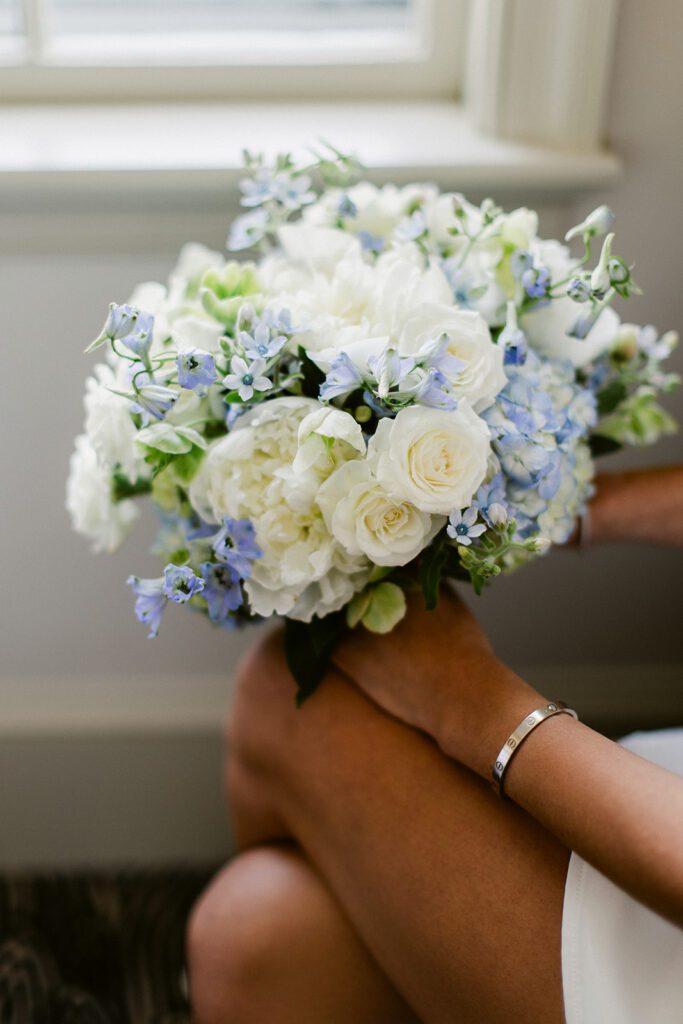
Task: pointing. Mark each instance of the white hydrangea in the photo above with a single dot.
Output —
(103, 522)
(108, 423)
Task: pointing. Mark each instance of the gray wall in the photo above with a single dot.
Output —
(66, 613)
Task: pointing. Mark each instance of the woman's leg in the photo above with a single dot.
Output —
(457, 896)
(268, 943)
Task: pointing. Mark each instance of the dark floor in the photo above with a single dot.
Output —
(95, 948)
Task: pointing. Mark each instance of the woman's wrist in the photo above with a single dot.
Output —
(473, 731)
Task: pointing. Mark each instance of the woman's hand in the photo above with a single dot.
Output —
(437, 672)
(641, 506)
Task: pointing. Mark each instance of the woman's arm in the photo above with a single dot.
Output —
(437, 672)
(644, 505)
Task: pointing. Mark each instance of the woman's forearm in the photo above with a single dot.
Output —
(641, 505)
(619, 812)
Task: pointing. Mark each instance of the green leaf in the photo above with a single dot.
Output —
(611, 396)
(163, 437)
(122, 488)
(311, 375)
(386, 608)
(432, 565)
(357, 608)
(600, 445)
(308, 649)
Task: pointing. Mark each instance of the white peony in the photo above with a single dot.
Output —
(546, 328)
(469, 340)
(250, 474)
(88, 500)
(366, 520)
(108, 423)
(436, 460)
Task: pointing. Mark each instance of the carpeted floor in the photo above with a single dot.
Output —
(95, 949)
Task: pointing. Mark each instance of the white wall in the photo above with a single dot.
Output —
(66, 615)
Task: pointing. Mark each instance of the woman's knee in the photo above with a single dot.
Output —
(233, 938)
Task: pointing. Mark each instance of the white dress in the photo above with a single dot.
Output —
(621, 963)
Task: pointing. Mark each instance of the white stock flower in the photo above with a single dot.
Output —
(108, 423)
(105, 523)
(469, 340)
(546, 328)
(366, 520)
(436, 460)
(250, 474)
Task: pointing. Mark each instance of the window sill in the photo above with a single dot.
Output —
(197, 147)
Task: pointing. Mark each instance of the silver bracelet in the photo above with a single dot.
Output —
(515, 740)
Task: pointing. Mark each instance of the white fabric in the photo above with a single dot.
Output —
(621, 963)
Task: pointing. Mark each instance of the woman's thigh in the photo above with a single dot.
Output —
(457, 895)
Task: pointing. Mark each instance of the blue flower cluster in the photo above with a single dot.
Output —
(218, 583)
(538, 425)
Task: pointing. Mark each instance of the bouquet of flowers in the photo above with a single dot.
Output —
(403, 387)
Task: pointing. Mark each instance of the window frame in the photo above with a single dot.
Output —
(425, 63)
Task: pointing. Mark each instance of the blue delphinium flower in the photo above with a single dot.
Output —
(196, 370)
(131, 326)
(154, 400)
(578, 290)
(150, 602)
(435, 391)
(461, 526)
(536, 281)
(389, 370)
(369, 242)
(261, 343)
(491, 501)
(248, 230)
(235, 544)
(346, 207)
(520, 262)
(222, 590)
(181, 583)
(245, 378)
(280, 321)
(342, 378)
(513, 340)
(434, 355)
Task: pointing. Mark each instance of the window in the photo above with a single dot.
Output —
(233, 49)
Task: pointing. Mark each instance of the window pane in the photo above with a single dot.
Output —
(10, 18)
(92, 17)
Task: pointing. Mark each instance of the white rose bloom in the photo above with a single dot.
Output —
(436, 460)
(378, 210)
(249, 474)
(88, 500)
(193, 331)
(366, 520)
(108, 422)
(546, 328)
(469, 340)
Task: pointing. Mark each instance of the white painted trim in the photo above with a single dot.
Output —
(424, 60)
(539, 69)
(200, 145)
(615, 696)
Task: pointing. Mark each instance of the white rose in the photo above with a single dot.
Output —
(469, 340)
(366, 520)
(546, 328)
(434, 459)
(108, 423)
(88, 500)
